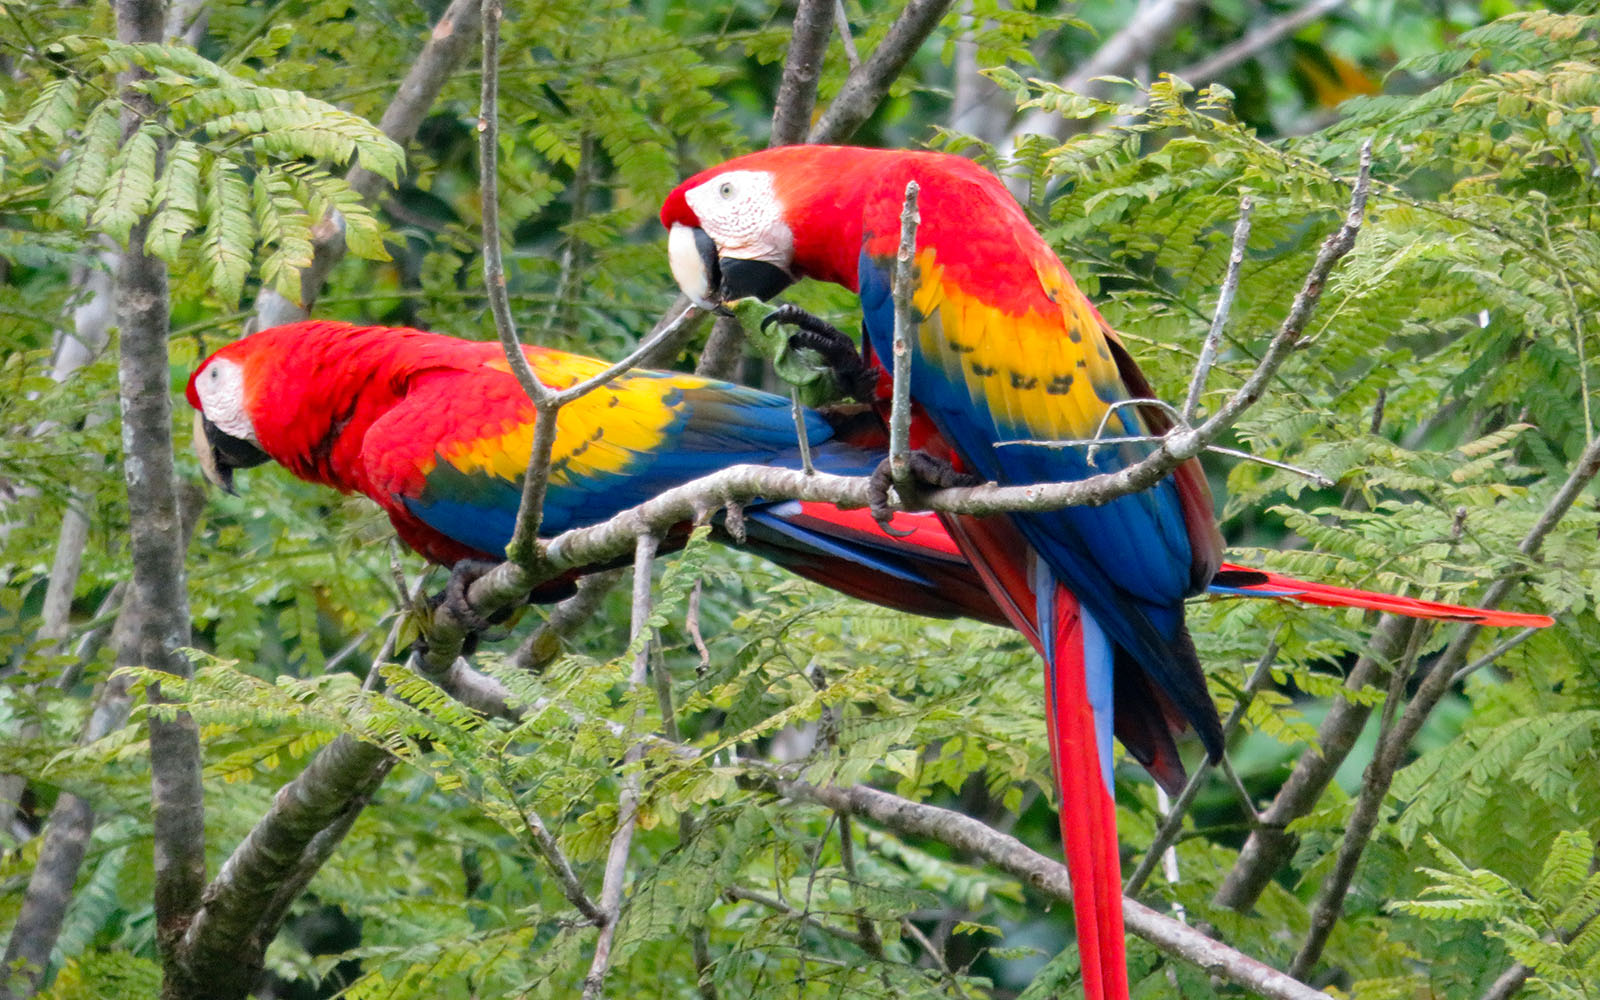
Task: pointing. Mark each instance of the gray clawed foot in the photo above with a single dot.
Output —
(858, 379)
(456, 601)
(927, 471)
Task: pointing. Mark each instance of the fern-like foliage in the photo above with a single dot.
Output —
(227, 173)
(1548, 926)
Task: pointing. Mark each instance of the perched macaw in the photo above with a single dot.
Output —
(437, 431)
(1007, 351)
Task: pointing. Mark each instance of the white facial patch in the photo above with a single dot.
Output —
(221, 391)
(688, 270)
(742, 214)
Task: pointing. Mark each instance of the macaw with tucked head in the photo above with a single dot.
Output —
(1006, 351)
(437, 431)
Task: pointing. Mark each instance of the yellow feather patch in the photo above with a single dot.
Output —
(599, 433)
(1047, 374)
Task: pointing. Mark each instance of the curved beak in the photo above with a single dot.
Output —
(221, 453)
(710, 278)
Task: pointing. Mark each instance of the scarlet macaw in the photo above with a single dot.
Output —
(1007, 351)
(437, 431)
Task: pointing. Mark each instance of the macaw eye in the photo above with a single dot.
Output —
(726, 189)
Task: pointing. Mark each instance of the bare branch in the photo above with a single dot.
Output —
(1509, 983)
(1248, 47)
(1500, 649)
(904, 323)
(1219, 319)
(866, 85)
(797, 92)
(447, 45)
(1049, 877)
(842, 18)
(616, 872)
(543, 645)
(778, 906)
(1151, 27)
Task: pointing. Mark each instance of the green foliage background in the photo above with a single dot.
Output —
(1447, 388)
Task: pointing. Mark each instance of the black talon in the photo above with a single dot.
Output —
(927, 471)
(855, 377)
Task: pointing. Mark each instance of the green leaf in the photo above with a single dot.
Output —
(229, 231)
(131, 187)
(177, 198)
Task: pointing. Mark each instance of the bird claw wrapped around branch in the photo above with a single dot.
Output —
(926, 470)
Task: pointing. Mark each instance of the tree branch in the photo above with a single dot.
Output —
(866, 86)
(1215, 65)
(156, 535)
(447, 45)
(543, 645)
(1270, 846)
(797, 92)
(1049, 877)
(223, 948)
(1151, 27)
(904, 325)
(1393, 745)
(1219, 319)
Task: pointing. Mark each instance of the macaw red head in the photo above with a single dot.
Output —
(222, 391)
(756, 224)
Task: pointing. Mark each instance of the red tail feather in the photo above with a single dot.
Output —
(1265, 584)
(1088, 813)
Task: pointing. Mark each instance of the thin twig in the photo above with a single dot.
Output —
(1224, 59)
(842, 18)
(803, 918)
(799, 414)
(1318, 478)
(692, 622)
(935, 956)
(905, 323)
(1500, 649)
(1167, 833)
(871, 940)
(616, 872)
(1219, 319)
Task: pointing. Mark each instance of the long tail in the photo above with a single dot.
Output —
(1079, 670)
(1078, 695)
(1244, 582)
